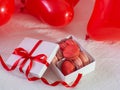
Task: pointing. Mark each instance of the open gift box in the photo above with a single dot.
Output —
(38, 54)
(56, 65)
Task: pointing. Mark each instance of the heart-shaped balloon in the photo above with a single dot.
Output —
(104, 23)
(52, 12)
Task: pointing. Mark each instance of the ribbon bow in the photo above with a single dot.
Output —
(25, 56)
(41, 58)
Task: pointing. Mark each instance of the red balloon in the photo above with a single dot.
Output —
(104, 23)
(6, 10)
(52, 12)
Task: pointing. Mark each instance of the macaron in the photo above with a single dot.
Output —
(67, 67)
(71, 42)
(71, 51)
(78, 62)
(84, 58)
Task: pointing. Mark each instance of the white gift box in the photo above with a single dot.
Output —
(48, 48)
(72, 76)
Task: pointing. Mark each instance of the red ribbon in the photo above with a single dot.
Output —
(41, 58)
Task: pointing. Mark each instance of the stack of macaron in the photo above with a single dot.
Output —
(73, 57)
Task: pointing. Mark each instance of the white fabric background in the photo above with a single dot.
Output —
(107, 54)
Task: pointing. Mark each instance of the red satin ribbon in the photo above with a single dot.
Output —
(56, 82)
(41, 58)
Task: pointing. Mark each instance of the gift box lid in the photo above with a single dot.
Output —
(47, 48)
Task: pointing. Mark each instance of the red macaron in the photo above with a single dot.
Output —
(67, 67)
